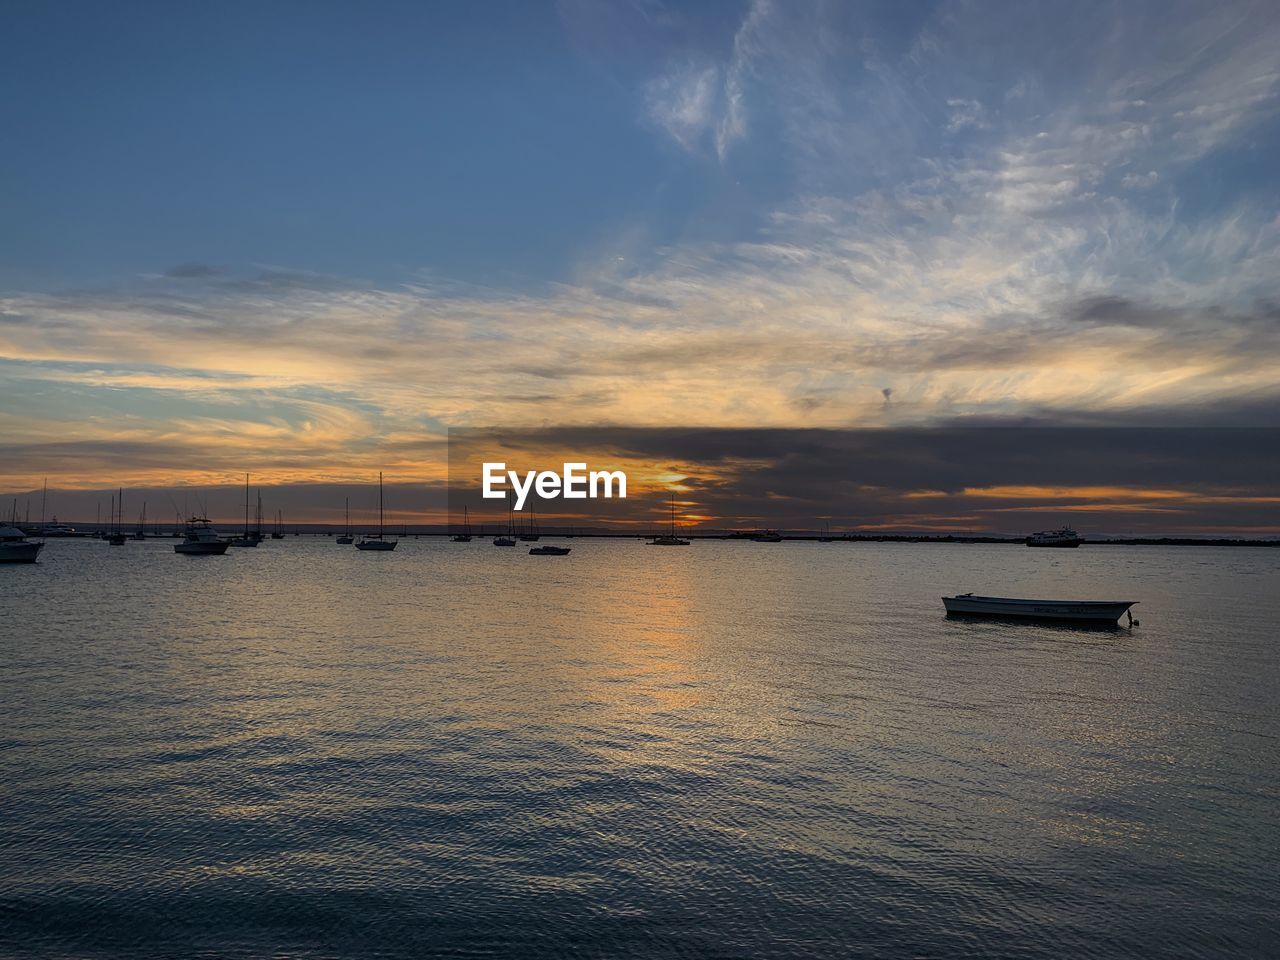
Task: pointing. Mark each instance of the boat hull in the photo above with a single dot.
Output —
(20, 552)
(549, 552)
(376, 545)
(204, 548)
(1062, 611)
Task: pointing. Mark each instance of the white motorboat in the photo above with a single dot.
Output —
(1062, 537)
(16, 548)
(199, 538)
(377, 542)
(1072, 611)
(55, 529)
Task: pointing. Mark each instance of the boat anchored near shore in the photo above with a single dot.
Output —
(377, 541)
(669, 539)
(1096, 612)
(16, 548)
(201, 540)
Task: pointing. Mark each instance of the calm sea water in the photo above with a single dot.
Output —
(726, 750)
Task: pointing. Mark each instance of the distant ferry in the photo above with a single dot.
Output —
(1062, 537)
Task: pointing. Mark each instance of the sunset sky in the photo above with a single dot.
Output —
(305, 240)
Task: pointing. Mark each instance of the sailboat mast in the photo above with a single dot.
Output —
(379, 504)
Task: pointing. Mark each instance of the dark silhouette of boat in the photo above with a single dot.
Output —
(377, 542)
(1096, 612)
(669, 539)
(1062, 537)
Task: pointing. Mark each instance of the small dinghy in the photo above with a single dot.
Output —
(548, 551)
(1097, 612)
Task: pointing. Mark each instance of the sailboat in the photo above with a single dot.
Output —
(347, 537)
(509, 540)
(246, 539)
(278, 532)
(142, 524)
(670, 539)
(465, 535)
(116, 537)
(531, 534)
(377, 543)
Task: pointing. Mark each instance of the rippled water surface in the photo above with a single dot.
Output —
(727, 750)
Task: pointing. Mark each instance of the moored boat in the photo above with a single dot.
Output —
(377, 541)
(531, 533)
(1070, 611)
(117, 537)
(347, 537)
(465, 535)
(509, 538)
(669, 539)
(199, 538)
(250, 538)
(548, 551)
(16, 548)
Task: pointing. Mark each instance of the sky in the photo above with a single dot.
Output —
(306, 240)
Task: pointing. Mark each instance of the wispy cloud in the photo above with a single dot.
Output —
(703, 101)
(969, 215)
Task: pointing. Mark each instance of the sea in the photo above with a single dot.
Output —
(726, 750)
